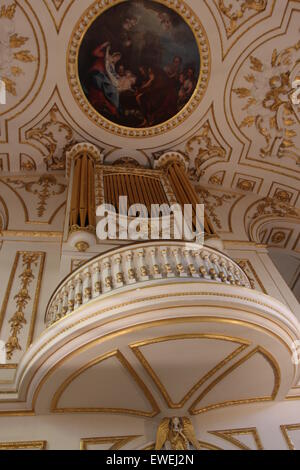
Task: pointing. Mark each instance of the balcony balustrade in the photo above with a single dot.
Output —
(148, 262)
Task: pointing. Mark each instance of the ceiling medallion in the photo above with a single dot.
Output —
(138, 68)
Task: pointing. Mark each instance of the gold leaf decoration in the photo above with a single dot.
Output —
(24, 56)
(236, 10)
(248, 121)
(273, 206)
(17, 41)
(242, 92)
(202, 147)
(16, 71)
(257, 65)
(212, 202)
(10, 86)
(44, 188)
(47, 135)
(272, 111)
(10, 42)
(22, 298)
(8, 11)
(250, 78)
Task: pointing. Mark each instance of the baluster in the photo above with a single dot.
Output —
(167, 265)
(78, 291)
(214, 270)
(155, 266)
(205, 268)
(55, 309)
(190, 263)
(87, 286)
(118, 271)
(230, 278)
(131, 279)
(71, 297)
(223, 275)
(65, 302)
(50, 319)
(106, 276)
(178, 259)
(59, 306)
(96, 281)
(237, 276)
(142, 268)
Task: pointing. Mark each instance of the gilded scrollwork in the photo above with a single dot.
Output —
(44, 188)
(203, 147)
(217, 178)
(212, 202)
(22, 298)
(269, 108)
(236, 12)
(274, 207)
(55, 136)
(27, 163)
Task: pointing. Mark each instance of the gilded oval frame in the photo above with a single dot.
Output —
(78, 34)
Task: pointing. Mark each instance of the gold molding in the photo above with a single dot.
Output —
(38, 445)
(277, 380)
(162, 389)
(82, 26)
(175, 294)
(121, 358)
(58, 25)
(203, 445)
(285, 428)
(117, 441)
(229, 434)
(31, 234)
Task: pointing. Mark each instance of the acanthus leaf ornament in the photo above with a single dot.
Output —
(22, 298)
(212, 202)
(10, 53)
(44, 188)
(203, 147)
(269, 107)
(274, 207)
(53, 134)
(235, 12)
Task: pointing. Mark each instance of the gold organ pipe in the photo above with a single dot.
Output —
(185, 192)
(83, 210)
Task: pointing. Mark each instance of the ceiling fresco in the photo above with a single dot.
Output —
(144, 75)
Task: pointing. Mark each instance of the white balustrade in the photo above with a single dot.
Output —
(141, 263)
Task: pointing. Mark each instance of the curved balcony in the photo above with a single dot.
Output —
(133, 265)
(154, 319)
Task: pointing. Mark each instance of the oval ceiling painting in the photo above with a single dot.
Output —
(139, 64)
